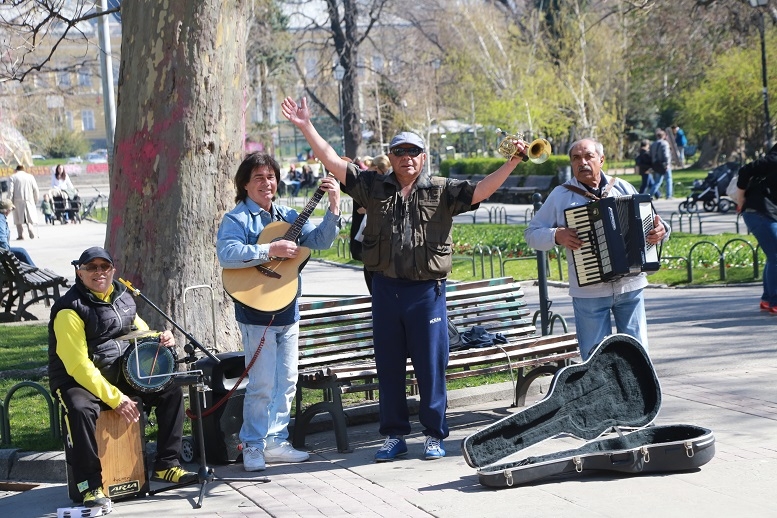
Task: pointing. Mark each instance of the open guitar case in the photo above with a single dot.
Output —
(610, 400)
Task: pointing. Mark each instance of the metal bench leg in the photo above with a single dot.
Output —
(525, 380)
(333, 406)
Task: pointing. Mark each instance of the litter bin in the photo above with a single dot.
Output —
(221, 429)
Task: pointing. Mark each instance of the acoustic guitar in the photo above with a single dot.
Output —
(272, 286)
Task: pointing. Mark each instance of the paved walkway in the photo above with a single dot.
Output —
(713, 352)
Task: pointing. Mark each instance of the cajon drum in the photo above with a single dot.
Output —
(121, 447)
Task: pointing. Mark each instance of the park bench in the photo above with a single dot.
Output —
(19, 280)
(336, 351)
(542, 184)
(503, 194)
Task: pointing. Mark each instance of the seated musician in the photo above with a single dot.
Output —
(85, 374)
(593, 304)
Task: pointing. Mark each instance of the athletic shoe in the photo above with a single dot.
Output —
(773, 310)
(764, 306)
(433, 448)
(176, 475)
(394, 446)
(253, 459)
(285, 453)
(95, 498)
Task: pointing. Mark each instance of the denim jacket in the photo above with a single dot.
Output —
(236, 247)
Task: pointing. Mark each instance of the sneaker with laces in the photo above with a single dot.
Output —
(433, 448)
(253, 459)
(284, 452)
(765, 306)
(394, 446)
(176, 475)
(95, 498)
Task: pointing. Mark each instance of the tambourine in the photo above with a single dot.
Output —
(148, 366)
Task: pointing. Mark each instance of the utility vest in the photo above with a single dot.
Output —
(430, 252)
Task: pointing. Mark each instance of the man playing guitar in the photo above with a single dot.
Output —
(250, 257)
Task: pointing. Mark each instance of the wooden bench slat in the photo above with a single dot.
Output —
(19, 279)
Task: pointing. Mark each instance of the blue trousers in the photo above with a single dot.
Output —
(410, 321)
(764, 229)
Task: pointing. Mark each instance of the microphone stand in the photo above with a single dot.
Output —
(195, 380)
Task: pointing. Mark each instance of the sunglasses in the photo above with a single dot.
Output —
(92, 268)
(409, 151)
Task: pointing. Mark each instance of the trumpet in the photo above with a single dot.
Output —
(538, 151)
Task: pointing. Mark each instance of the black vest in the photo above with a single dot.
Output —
(103, 322)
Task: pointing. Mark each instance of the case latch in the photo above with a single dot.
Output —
(508, 473)
(645, 454)
(689, 449)
(578, 464)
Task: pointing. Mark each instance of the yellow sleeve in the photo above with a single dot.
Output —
(72, 350)
(140, 324)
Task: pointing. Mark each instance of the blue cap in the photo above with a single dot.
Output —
(407, 137)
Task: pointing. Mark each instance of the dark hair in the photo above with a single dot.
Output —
(248, 166)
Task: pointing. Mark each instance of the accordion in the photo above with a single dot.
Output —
(614, 232)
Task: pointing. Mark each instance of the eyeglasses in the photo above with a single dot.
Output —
(92, 268)
(410, 151)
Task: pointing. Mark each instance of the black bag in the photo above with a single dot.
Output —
(454, 338)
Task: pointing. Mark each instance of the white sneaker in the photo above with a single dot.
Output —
(285, 453)
(253, 459)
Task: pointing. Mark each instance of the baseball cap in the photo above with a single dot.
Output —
(407, 137)
(6, 205)
(90, 254)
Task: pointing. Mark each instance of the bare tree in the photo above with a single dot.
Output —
(347, 25)
(32, 31)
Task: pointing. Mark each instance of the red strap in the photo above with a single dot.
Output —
(192, 415)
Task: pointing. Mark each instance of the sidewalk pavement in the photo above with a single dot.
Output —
(713, 352)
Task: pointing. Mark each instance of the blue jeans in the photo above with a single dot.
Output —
(22, 255)
(765, 231)
(658, 179)
(646, 187)
(271, 386)
(593, 323)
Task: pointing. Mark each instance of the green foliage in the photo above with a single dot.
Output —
(66, 143)
(728, 101)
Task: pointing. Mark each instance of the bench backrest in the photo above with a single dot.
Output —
(539, 182)
(10, 264)
(340, 331)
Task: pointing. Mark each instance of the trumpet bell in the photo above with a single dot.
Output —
(539, 151)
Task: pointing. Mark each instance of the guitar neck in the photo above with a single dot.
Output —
(294, 230)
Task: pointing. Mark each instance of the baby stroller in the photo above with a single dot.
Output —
(710, 192)
(66, 209)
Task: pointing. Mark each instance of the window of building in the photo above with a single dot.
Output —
(87, 119)
(63, 78)
(310, 67)
(69, 120)
(84, 77)
(377, 64)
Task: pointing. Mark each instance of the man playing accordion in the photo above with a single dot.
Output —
(594, 303)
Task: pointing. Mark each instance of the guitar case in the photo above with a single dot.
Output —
(610, 400)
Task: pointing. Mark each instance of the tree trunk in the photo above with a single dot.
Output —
(179, 139)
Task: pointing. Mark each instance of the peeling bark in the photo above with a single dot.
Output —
(179, 139)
